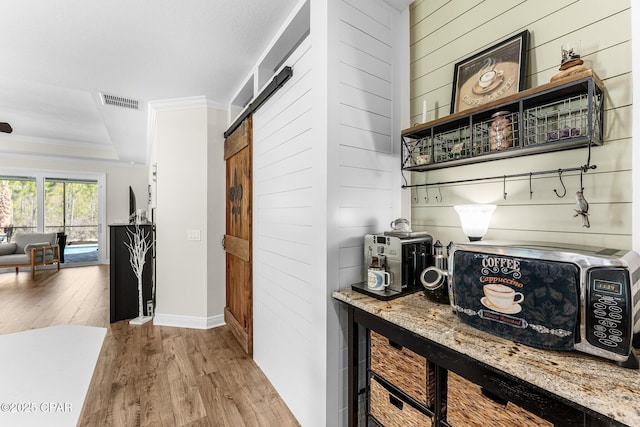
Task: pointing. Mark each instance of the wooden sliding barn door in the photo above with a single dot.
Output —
(238, 312)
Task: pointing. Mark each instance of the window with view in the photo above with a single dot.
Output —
(69, 207)
(18, 206)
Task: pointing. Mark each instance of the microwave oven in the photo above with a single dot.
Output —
(550, 295)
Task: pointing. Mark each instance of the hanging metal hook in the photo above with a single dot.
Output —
(504, 187)
(439, 199)
(530, 186)
(563, 187)
(416, 197)
(426, 194)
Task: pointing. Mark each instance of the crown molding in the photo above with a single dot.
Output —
(185, 103)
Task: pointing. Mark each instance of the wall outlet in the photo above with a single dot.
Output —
(193, 234)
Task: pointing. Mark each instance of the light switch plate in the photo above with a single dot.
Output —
(193, 234)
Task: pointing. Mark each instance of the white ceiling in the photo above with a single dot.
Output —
(56, 57)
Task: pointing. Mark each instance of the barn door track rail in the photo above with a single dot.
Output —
(275, 84)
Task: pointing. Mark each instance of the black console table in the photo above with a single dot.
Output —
(123, 283)
(564, 388)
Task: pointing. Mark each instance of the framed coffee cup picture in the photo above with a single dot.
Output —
(492, 74)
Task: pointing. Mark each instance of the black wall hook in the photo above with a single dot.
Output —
(504, 187)
(563, 187)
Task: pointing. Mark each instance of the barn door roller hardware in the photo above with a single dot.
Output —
(275, 84)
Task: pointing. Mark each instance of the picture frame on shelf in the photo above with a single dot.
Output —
(494, 73)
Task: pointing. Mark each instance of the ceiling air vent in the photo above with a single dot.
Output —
(119, 101)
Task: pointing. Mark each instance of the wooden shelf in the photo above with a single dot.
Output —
(561, 115)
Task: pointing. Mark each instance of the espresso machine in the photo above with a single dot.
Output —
(402, 253)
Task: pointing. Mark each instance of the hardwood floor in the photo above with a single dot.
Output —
(146, 375)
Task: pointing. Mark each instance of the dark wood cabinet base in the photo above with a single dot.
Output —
(497, 388)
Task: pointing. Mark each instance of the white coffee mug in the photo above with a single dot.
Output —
(400, 224)
(377, 280)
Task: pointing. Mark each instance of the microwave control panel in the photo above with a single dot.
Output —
(609, 315)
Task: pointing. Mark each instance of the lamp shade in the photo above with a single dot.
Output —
(475, 219)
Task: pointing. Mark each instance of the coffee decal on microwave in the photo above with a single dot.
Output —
(527, 300)
(506, 266)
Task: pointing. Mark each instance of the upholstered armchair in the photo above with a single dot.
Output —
(30, 250)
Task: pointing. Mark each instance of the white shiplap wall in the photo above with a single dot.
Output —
(326, 172)
(445, 32)
(368, 185)
(367, 166)
(287, 315)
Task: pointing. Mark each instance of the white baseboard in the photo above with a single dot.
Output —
(192, 322)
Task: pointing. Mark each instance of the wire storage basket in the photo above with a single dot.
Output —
(561, 120)
(453, 144)
(416, 152)
(422, 153)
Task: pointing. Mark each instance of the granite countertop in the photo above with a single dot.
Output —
(589, 381)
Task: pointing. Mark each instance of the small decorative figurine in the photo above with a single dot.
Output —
(583, 209)
(570, 55)
(571, 63)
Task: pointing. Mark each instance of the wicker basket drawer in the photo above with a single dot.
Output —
(391, 411)
(468, 407)
(403, 368)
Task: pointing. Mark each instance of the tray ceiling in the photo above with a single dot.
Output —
(59, 57)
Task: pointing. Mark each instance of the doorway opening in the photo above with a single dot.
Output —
(70, 205)
(71, 210)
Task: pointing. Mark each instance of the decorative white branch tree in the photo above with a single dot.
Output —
(138, 246)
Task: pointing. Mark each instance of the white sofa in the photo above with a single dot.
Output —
(30, 250)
